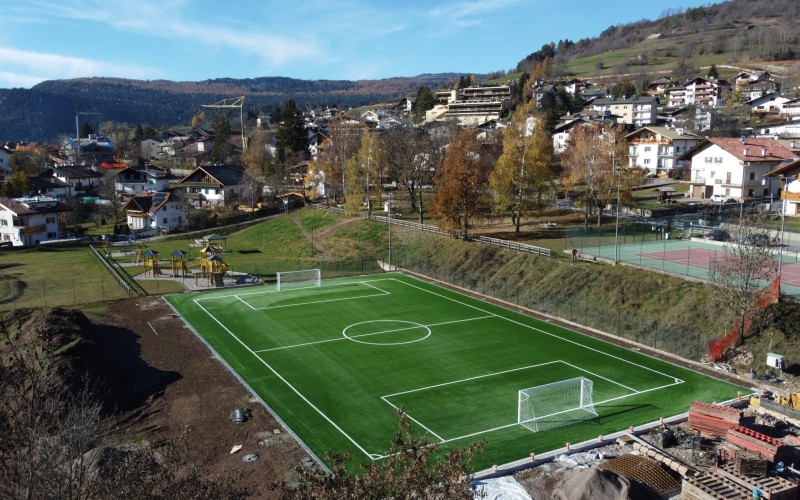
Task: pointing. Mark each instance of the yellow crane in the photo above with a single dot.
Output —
(233, 102)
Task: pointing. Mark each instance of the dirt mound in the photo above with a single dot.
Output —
(597, 484)
(75, 355)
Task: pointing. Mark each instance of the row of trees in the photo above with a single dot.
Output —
(511, 173)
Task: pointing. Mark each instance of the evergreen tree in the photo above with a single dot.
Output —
(291, 137)
(424, 102)
(713, 72)
(222, 146)
(86, 130)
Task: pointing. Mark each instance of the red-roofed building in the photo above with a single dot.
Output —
(735, 167)
(30, 221)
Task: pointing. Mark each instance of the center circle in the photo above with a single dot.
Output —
(386, 328)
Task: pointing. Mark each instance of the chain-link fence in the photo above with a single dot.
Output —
(68, 292)
(582, 308)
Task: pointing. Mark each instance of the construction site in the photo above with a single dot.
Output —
(745, 449)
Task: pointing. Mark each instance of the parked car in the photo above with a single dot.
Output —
(757, 239)
(721, 198)
(718, 235)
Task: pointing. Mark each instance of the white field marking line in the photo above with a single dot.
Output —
(275, 372)
(440, 438)
(245, 302)
(420, 389)
(595, 403)
(224, 295)
(298, 304)
(373, 333)
(539, 330)
(601, 377)
(151, 327)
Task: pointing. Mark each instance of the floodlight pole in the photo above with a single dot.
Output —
(616, 226)
(785, 181)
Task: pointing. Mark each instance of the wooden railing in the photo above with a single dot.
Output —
(522, 247)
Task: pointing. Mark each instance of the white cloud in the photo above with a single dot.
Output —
(469, 12)
(10, 80)
(29, 68)
(171, 20)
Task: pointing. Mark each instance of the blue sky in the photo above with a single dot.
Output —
(311, 39)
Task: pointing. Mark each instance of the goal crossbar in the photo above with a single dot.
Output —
(556, 404)
(305, 278)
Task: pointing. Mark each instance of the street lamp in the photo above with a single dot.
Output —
(785, 181)
(616, 225)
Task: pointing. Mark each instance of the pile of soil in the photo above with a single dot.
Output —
(159, 385)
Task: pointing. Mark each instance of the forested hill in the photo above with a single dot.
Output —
(47, 110)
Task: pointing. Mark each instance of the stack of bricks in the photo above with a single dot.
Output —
(750, 440)
(713, 419)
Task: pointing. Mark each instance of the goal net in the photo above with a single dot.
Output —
(307, 278)
(555, 405)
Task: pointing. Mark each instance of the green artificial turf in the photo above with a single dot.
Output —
(335, 362)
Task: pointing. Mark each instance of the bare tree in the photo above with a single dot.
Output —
(345, 139)
(740, 275)
(412, 469)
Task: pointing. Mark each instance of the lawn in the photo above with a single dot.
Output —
(334, 363)
(50, 275)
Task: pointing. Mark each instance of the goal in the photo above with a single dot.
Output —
(556, 405)
(307, 278)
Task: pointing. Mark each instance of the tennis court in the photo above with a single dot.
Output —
(336, 362)
(692, 258)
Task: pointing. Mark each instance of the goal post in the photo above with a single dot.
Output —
(306, 278)
(556, 404)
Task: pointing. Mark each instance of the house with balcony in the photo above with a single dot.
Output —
(92, 150)
(219, 185)
(699, 91)
(160, 211)
(657, 149)
(735, 167)
(131, 180)
(636, 111)
(471, 106)
(659, 86)
(80, 180)
(768, 104)
(48, 186)
(28, 221)
(787, 177)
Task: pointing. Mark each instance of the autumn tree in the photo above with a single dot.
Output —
(345, 139)
(258, 166)
(524, 172)
(413, 468)
(740, 274)
(363, 173)
(20, 184)
(589, 161)
(461, 181)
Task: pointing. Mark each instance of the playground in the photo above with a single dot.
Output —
(208, 270)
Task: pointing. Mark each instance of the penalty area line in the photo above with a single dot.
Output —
(288, 384)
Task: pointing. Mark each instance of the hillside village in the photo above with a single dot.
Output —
(672, 130)
(510, 197)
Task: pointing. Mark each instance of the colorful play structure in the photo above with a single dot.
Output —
(212, 267)
(179, 265)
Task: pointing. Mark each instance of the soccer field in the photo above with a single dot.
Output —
(335, 362)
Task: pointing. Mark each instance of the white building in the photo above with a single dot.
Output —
(30, 221)
(657, 148)
(133, 180)
(216, 184)
(735, 167)
(790, 193)
(636, 111)
(160, 211)
(702, 91)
